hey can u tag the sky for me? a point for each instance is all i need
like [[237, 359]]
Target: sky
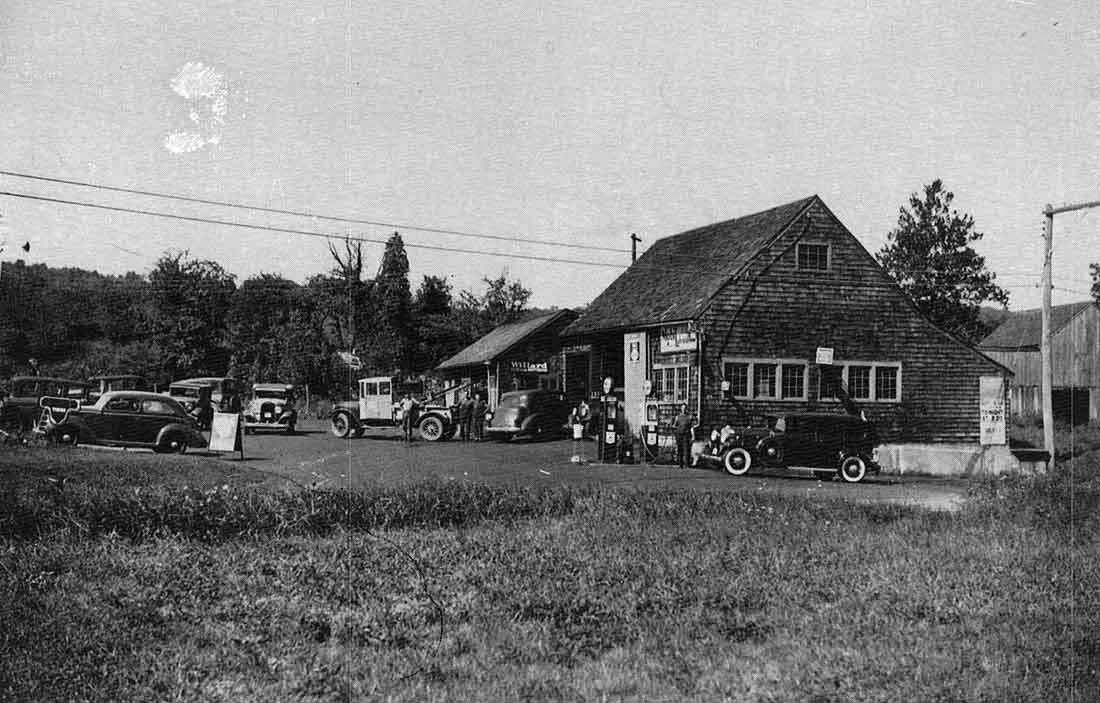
[[532, 122]]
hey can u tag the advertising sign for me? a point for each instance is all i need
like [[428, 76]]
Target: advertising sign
[[530, 366], [992, 408], [225, 432], [677, 338], [825, 356]]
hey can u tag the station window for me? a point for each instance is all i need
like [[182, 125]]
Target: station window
[[763, 381], [869, 381], [794, 381], [766, 379], [737, 373], [859, 382], [886, 383], [670, 383]]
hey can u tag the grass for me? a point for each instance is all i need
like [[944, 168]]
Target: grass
[[505, 593]]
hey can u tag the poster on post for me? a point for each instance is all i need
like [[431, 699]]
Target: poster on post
[[225, 433], [991, 395]]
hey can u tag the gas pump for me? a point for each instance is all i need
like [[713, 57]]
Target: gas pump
[[609, 416]]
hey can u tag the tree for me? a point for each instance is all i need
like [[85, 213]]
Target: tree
[[391, 344], [436, 334], [256, 327], [191, 300], [930, 256], [1095, 270]]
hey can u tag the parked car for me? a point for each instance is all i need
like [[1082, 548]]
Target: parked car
[[529, 412], [126, 419], [829, 444], [221, 388], [116, 382], [20, 410], [271, 408], [378, 405]]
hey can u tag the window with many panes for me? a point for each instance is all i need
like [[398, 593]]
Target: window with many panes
[[886, 383], [763, 380], [737, 373], [670, 383], [859, 382], [813, 257], [793, 381]]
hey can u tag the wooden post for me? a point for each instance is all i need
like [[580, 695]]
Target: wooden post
[[1044, 342]]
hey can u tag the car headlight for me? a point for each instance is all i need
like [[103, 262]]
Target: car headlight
[[278, 408]]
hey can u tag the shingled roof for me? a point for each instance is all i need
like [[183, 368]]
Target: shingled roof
[[676, 278], [500, 340], [1024, 330]]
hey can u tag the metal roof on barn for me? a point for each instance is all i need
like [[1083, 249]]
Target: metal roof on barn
[[675, 278], [1024, 330], [500, 340]]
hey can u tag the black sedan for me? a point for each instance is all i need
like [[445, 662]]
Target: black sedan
[[127, 419]]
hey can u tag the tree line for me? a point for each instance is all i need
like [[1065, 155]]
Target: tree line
[[189, 317]]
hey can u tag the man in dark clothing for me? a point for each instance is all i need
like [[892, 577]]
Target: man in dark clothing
[[477, 421], [465, 408], [682, 427]]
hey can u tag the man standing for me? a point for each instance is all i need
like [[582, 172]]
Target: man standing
[[682, 426], [477, 420], [408, 416], [465, 408]]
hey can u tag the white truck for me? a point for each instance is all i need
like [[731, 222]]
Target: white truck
[[379, 405]]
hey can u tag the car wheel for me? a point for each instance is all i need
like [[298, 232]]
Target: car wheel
[[737, 461], [771, 452], [853, 469], [341, 425], [67, 435], [431, 429], [172, 443]]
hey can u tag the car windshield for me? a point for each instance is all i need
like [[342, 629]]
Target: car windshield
[[184, 391], [277, 395]]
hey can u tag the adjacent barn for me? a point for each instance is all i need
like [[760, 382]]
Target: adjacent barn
[[784, 310], [1075, 360]]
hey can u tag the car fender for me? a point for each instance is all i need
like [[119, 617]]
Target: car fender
[[73, 421], [532, 422], [288, 416], [194, 437], [353, 417]]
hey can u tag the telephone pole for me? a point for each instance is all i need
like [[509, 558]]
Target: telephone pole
[[1044, 347], [634, 239]]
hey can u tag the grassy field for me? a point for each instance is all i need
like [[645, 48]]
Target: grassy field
[[140, 578]]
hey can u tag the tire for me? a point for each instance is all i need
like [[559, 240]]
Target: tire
[[290, 428], [173, 444], [771, 453], [67, 435], [737, 461], [853, 469], [341, 425], [431, 428]]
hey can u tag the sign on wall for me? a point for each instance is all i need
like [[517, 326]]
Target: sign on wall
[[991, 395], [824, 356], [530, 366], [676, 338]]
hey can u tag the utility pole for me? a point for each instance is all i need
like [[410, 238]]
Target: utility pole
[[634, 239], [1044, 347]]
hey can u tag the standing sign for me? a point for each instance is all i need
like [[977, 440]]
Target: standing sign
[[225, 433], [992, 408]]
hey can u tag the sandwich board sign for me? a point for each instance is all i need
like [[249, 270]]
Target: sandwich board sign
[[225, 433], [992, 408]]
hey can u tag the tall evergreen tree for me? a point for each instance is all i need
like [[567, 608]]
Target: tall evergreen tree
[[392, 347], [930, 256]]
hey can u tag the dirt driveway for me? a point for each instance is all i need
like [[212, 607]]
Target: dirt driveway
[[314, 457]]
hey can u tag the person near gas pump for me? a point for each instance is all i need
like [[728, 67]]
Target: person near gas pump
[[465, 410], [683, 427]]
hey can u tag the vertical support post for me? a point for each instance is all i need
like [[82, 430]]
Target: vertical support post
[[634, 239], [1047, 371]]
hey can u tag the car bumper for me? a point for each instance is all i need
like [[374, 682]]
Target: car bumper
[[503, 431]]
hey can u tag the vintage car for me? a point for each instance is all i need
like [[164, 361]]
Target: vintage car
[[378, 405], [828, 444], [124, 419], [530, 412], [221, 388], [271, 408], [20, 410], [115, 382]]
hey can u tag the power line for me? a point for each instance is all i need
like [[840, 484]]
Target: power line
[[313, 215], [367, 240]]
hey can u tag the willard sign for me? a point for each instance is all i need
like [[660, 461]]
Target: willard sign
[[529, 366]]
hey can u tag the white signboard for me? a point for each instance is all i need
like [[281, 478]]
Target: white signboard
[[677, 338], [225, 432], [530, 366], [992, 408], [825, 356]]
